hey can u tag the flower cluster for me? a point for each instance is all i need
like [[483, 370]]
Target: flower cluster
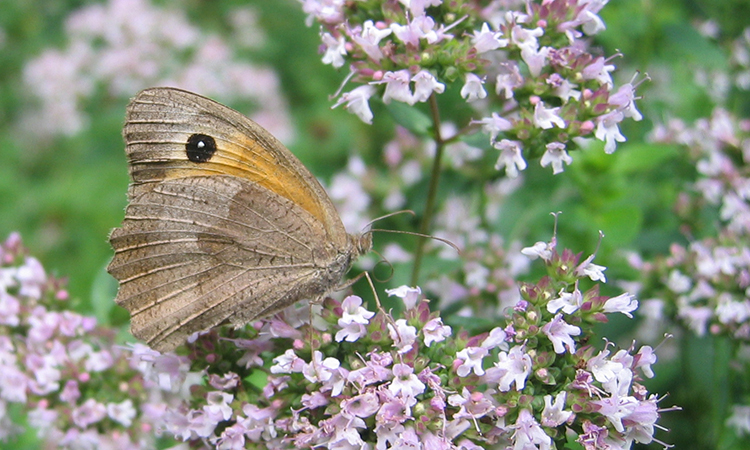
[[76, 388], [356, 378], [719, 82], [109, 53], [705, 285], [546, 87]]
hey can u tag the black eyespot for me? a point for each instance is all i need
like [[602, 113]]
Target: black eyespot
[[200, 148]]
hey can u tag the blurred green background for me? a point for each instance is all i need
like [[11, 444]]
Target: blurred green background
[[65, 193]]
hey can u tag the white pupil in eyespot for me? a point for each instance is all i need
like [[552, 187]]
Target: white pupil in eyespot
[[201, 144]]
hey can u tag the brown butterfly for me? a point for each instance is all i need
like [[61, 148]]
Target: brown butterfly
[[224, 223]]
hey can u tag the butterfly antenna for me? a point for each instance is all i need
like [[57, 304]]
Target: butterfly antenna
[[395, 213], [384, 261], [444, 241]]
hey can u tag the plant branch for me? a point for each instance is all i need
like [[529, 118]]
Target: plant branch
[[424, 227]]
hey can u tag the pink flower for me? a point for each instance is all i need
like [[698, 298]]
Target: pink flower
[[217, 405], [9, 308], [31, 277], [99, 361], [350, 332], [320, 370], [496, 338], [354, 312], [644, 359], [473, 404], [624, 99], [289, 362], [539, 250], [363, 405], [598, 70], [417, 7], [508, 79], [232, 438], [421, 27]]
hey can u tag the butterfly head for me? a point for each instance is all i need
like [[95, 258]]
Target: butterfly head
[[362, 243]]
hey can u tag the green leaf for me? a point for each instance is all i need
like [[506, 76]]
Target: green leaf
[[410, 118], [643, 157]]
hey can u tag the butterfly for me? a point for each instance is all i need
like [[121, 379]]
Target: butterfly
[[224, 224]]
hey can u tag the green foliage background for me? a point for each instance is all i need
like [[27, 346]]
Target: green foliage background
[[65, 195]]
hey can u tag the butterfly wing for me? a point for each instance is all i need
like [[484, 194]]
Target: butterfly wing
[[237, 232], [160, 123], [194, 252]]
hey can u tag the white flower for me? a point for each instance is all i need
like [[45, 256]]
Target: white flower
[[535, 58], [623, 303], [486, 39], [559, 333], [403, 335], [370, 38], [353, 312], [410, 295], [335, 50], [425, 84], [569, 302], [540, 249], [405, 383], [357, 102], [472, 89], [510, 157], [435, 331], [555, 155], [516, 367], [494, 125], [591, 270], [528, 434], [472, 361], [553, 414], [545, 118], [397, 87]]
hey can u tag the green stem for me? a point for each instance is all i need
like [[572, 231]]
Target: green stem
[[424, 227]]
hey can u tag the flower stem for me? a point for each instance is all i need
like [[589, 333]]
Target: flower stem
[[424, 227]]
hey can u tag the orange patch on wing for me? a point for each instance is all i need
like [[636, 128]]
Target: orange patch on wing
[[246, 158]]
